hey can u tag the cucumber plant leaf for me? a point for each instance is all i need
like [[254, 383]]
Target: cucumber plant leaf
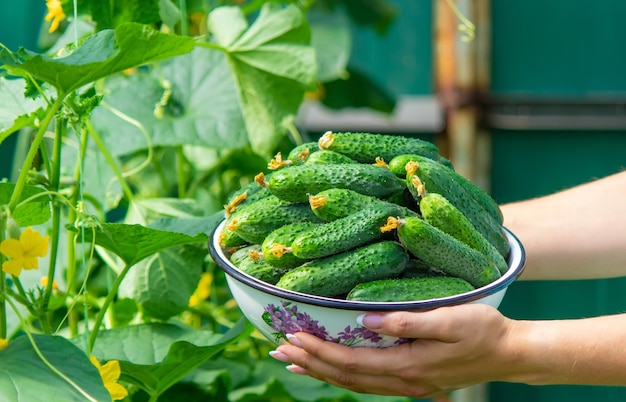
[[163, 283], [25, 377], [105, 53], [133, 243], [16, 110], [202, 108], [32, 213], [272, 64], [156, 356]]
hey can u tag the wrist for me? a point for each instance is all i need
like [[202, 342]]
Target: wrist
[[528, 353]]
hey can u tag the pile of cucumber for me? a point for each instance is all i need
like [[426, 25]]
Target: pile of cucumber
[[368, 217]]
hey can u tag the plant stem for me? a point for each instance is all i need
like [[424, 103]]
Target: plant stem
[[3, 293], [32, 152], [109, 299], [180, 172], [184, 25], [55, 179], [110, 160], [75, 197]]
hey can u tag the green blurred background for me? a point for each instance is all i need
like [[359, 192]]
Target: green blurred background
[[558, 76]]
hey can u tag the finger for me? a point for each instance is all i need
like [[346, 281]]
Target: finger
[[446, 324], [370, 382], [343, 358]]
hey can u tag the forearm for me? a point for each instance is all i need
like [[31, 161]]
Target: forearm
[[574, 234], [585, 351]]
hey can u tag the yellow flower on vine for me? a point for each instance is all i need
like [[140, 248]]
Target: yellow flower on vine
[[203, 290], [110, 373], [55, 14], [4, 342], [23, 253]]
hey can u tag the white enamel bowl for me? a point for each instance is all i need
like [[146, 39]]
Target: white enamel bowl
[[276, 312]]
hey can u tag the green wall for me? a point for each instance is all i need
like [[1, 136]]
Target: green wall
[[557, 48], [19, 24]]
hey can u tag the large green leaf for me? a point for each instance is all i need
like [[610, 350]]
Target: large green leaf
[[16, 110], [202, 110], [331, 38], [156, 356], [34, 212], [25, 377], [111, 13], [163, 283], [102, 54], [133, 243], [272, 64], [269, 382]]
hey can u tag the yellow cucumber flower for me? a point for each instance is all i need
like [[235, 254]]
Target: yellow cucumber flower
[[110, 373], [23, 253], [55, 14], [4, 342], [203, 290]]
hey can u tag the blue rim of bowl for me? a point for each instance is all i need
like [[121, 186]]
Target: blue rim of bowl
[[217, 253]]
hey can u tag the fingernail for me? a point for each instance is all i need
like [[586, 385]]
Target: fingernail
[[294, 340], [296, 369], [280, 356], [370, 321]]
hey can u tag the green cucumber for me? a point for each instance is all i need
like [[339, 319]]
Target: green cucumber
[[249, 260], [329, 157], [294, 183], [336, 203], [242, 254], [397, 165], [228, 238], [345, 233], [301, 153], [425, 177], [366, 147], [447, 178], [444, 252], [254, 222], [409, 289], [247, 194], [440, 212], [336, 275], [277, 245]]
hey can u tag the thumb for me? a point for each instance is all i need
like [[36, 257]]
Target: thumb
[[447, 324]]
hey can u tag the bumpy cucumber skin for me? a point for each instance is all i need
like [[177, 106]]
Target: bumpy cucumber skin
[[326, 156], [438, 180], [295, 155], [258, 269], [440, 212], [255, 192], [243, 254], [341, 202], [336, 275], [398, 163], [344, 233], [366, 147], [448, 177], [256, 221], [409, 289], [294, 183], [285, 235], [446, 253], [228, 238]]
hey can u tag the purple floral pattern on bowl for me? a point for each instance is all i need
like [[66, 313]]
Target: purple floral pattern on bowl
[[287, 319]]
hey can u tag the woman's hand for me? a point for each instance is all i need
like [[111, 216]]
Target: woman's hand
[[455, 347]]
